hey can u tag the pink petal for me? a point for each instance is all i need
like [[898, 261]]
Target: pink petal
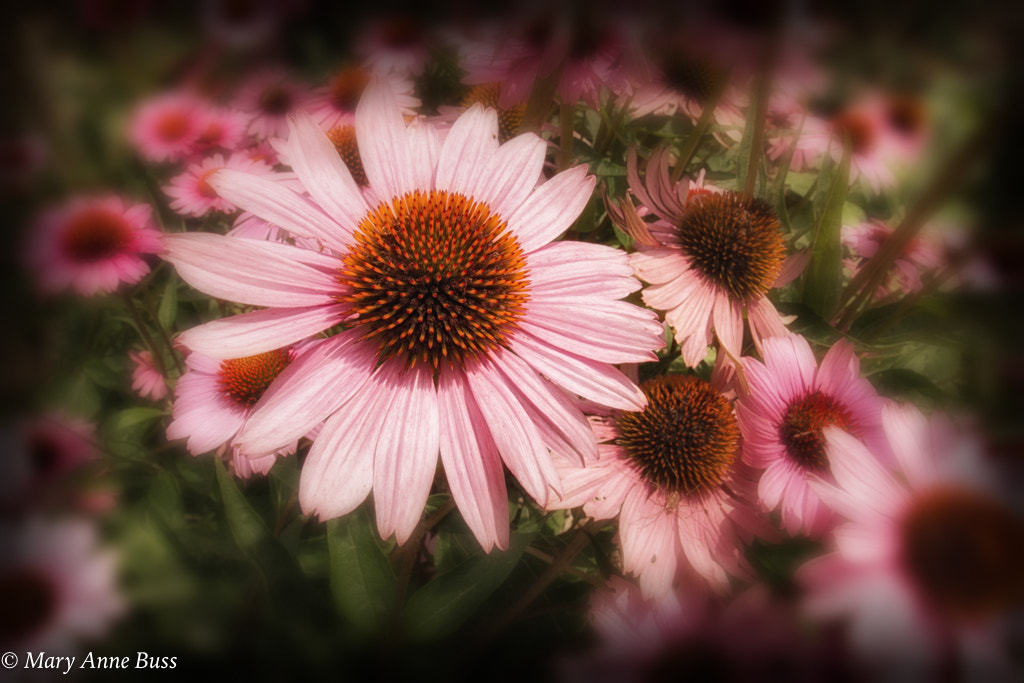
[[390, 155], [791, 363], [659, 265], [249, 334], [274, 203], [648, 541], [839, 368], [907, 430], [511, 174], [579, 268], [552, 208], [764, 321], [593, 380], [405, 458], [253, 272], [774, 481], [466, 151], [472, 464], [311, 388], [728, 321], [611, 331], [866, 487]]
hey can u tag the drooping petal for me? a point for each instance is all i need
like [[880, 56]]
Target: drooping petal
[[257, 332]]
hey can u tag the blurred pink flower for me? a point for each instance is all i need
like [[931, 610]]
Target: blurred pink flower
[[39, 453], [219, 128], [479, 373], [91, 244], [930, 560], [167, 127], [334, 105], [191, 193], [864, 241], [57, 585], [673, 477], [791, 401], [710, 257], [147, 381], [268, 97]]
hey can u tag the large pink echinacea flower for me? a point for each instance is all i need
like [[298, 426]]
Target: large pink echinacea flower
[[457, 325]]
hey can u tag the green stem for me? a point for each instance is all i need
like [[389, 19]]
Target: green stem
[[693, 140], [567, 114], [133, 311]]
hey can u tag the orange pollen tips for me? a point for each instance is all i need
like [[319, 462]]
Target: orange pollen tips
[[94, 235], [435, 277], [245, 380], [964, 551], [734, 241], [344, 139], [800, 430], [509, 119], [685, 441]]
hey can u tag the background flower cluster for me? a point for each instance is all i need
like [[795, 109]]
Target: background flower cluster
[[727, 383]]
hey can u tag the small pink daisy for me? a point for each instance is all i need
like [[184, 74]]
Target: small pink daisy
[[673, 477], [167, 127], [791, 401], [268, 97], [710, 257], [465, 323], [91, 245], [57, 585], [214, 398], [930, 560], [146, 379], [191, 193], [219, 128], [921, 255]]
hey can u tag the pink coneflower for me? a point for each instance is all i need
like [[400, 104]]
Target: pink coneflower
[[465, 325], [864, 241], [710, 257], [398, 44], [147, 381], [39, 453], [214, 398], [219, 128], [673, 476], [91, 245], [929, 561], [268, 97], [334, 105], [167, 127], [191, 193], [791, 401], [57, 586]]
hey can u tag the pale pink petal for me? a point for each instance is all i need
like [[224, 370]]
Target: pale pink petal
[[325, 175], [728, 321], [791, 364], [600, 487], [908, 434], [517, 438], [772, 486], [552, 208], [866, 485], [472, 463], [467, 149], [253, 272], [405, 458], [249, 334], [658, 266], [764, 321], [385, 144], [312, 387], [839, 368], [580, 268], [672, 294], [275, 203], [792, 267], [610, 331], [592, 380], [648, 538], [511, 174]]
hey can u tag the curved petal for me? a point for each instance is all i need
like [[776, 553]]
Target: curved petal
[[257, 332], [469, 145], [551, 208], [511, 174], [253, 272]]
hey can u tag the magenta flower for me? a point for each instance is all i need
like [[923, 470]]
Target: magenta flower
[[673, 476], [463, 324], [791, 401], [147, 381], [192, 195], [930, 560], [167, 127], [91, 245]]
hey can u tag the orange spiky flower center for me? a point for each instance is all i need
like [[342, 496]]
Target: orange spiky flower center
[[734, 241], [685, 440], [509, 119], [964, 550], [801, 428], [95, 234], [435, 277], [344, 139], [245, 380]]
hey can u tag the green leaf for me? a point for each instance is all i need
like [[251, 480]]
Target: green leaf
[[362, 581], [445, 603], [131, 418], [168, 309], [823, 278]]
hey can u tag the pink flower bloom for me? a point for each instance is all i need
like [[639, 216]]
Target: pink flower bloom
[[673, 476], [334, 105], [57, 586], [791, 401], [864, 241], [167, 127], [711, 256], [929, 561], [214, 398], [146, 379], [92, 245], [397, 43], [191, 193], [39, 453], [465, 324], [268, 97], [219, 128]]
